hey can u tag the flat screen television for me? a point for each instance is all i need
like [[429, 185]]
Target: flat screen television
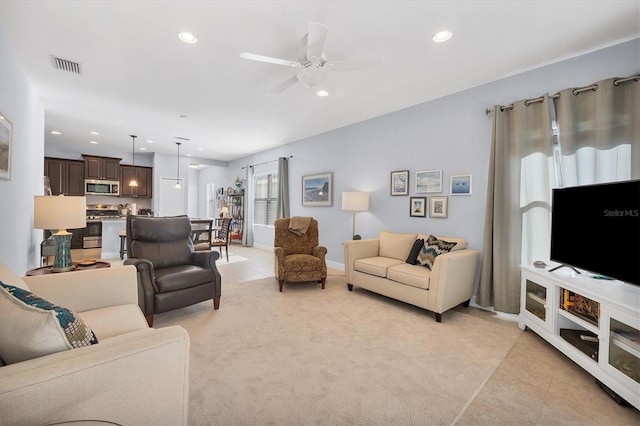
[[597, 228]]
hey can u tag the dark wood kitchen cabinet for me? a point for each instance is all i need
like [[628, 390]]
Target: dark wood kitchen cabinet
[[144, 177], [65, 176], [104, 168], [76, 237]]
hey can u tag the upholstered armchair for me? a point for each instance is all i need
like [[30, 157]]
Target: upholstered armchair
[[298, 257], [171, 274]]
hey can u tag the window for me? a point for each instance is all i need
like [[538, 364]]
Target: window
[[266, 199]]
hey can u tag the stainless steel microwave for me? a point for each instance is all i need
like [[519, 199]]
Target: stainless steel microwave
[[101, 187]]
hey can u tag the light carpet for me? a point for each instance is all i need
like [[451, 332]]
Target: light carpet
[[309, 356]]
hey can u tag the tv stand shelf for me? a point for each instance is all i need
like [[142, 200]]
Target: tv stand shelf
[[596, 323]]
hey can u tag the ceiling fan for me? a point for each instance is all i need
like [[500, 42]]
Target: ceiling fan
[[312, 69]]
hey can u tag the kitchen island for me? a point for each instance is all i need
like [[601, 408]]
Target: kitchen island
[[110, 237]]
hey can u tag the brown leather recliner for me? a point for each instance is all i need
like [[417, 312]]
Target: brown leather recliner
[[170, 274]]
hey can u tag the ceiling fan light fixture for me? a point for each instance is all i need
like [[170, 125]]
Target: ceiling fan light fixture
[[187, 37], [442, 36]]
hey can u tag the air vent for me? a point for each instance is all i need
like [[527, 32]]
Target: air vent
[[182, 139], [67, 65]]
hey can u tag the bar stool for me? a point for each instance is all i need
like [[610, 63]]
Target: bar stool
[[123, 238]]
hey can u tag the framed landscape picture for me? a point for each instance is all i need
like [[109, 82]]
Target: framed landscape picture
[[317, 190], [418, 207], [429, 181], [400, 182], [5, 147], [438, 207], [461, 185]]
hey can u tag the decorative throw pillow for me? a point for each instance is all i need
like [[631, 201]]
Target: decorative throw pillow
[[32, 327], [415, 250], [432, 248]]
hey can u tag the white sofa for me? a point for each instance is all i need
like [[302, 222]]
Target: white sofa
[[134, 375], [379, 265]]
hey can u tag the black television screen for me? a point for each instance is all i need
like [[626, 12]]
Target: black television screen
[[597, 228]]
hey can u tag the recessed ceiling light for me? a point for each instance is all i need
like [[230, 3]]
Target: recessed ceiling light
[[143, 148], [93, 142], [193, 165], [322, 93], [94, 133], [200, 149], [188, 155], [187, 37], [442, 36], [55, 132], [150, 142]]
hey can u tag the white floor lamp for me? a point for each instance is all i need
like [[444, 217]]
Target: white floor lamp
[[355, 201]]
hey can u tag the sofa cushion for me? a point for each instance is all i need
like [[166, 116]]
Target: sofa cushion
[[376, 265], [433, 248], [413, 275], [461, 243], [412, 259], [114, 320], [32, 327], [7, 276], [395, 245]]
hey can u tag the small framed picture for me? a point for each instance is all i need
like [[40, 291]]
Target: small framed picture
[[461, 185], [418, 207], [438, 206], [317, 190], [6, 140], [429, 181], [400, 182]]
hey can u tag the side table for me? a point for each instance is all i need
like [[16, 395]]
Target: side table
[[47, 269]]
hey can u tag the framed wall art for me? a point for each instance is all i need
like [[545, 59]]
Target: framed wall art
[[5, 147], [438, 206], [400, 182], [429, 181], [317, 190], [418, 207], [461, 185]]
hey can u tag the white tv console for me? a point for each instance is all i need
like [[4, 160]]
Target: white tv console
[[594, 322]]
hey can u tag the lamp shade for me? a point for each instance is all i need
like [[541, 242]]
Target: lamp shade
[[59, 212], [355, 201]]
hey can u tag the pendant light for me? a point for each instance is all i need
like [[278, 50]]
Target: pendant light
[[133, 182], [178, 186]]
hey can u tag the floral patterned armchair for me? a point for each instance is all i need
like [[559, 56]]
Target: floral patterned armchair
[[298, 257]]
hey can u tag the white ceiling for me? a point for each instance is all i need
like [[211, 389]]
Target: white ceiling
[[138, 78]]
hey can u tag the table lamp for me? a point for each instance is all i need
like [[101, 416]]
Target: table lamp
[[224, 211], [61, 213], [355, 201]]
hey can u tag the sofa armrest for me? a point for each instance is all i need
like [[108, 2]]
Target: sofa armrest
[[453, 278], [138, 378], [358, 249], [88, 290]]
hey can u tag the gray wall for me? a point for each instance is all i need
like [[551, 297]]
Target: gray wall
[[19, 241], [452, 133]]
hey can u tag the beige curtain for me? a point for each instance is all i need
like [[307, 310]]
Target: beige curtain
[[599, 132], [518, 192]]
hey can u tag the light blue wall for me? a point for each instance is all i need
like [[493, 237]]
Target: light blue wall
[[19, 241], [452, 133]]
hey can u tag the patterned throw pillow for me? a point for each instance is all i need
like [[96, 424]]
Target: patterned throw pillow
[[413, 254], [32, 327], [433, 247]]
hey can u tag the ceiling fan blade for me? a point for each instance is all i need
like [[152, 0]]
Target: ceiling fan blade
[[285, 84], [269, 59], [316, 37]]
